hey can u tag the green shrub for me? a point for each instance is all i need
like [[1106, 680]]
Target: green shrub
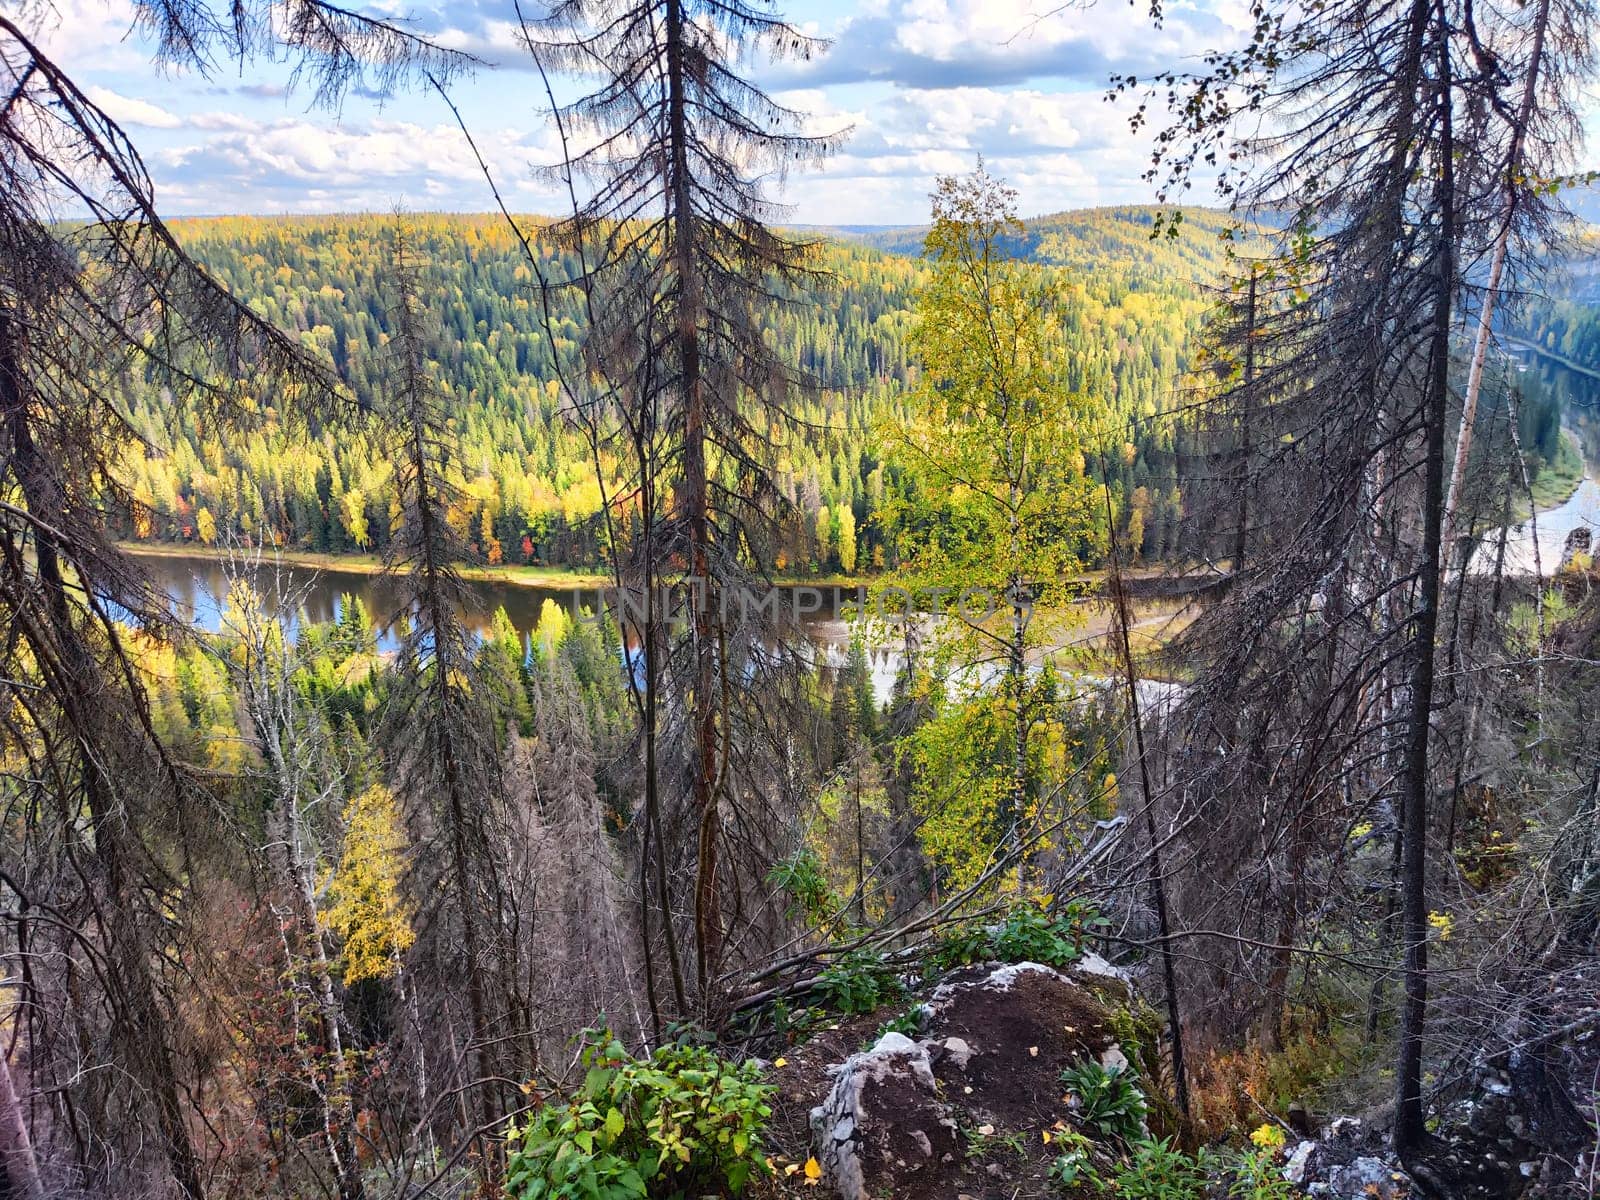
[[1030, 936], [1073, 1167], [681, 1123], [859, 983], [1160, 1171], [1109, 1101], [1256, 1177], [800, 875], [1026, 935]]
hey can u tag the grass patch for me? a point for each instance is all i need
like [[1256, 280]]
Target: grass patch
[[1558, 479], [369, 564]]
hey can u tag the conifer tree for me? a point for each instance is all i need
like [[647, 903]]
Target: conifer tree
[[680, 258]]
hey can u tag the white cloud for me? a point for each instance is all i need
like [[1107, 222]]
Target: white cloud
[[222, 120], [1061, 150], [927, 85], [80, 34], [953, 43], [129, 110], [300, 165]]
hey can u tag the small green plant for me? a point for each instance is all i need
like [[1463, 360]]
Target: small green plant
[[985, 1142], [859, 982], [962, 946], [908, 1023], [794, 1024], [1160, 1171], [1027, 934], [1109, 1101], [681, 1123], [800, 875], [1256, 1175], [1074, 1165]]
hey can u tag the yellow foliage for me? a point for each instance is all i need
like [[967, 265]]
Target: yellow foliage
[[1268, 1137], [366, 909]]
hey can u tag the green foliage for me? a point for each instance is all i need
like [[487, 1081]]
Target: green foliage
[[908, 1023], [794, 1024], [1109, 1101], [365, 905], [677, 1125], [1029, 935], [1160, 1171], [1526, 621], [801, 877], [963, 758], [1125, 305], [995, 428], [859, 982], [1026, 935], [1256, 1177], [1073, 1167]]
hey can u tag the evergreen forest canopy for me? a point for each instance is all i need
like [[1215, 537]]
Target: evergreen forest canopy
[[379, 907], [1129, 308]]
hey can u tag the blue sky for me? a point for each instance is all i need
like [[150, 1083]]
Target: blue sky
[[926, 85]]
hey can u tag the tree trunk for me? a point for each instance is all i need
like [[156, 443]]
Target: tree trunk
[[1241, 533], [1491, 294], [1158, 884], [694, 505], [481, 1042], [21, 1167], [1409, 1128], [338, 1110]]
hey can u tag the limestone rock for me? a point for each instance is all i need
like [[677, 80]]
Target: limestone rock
[[883, 1119]]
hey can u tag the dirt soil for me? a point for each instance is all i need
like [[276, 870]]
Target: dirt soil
[[1004, 1099]]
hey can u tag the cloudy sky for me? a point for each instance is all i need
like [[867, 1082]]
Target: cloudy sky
[[924, 85]]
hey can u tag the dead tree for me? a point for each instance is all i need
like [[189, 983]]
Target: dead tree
[[680, 261]]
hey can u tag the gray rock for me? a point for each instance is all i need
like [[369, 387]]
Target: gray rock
[[883, 1109], [960, 1053], [1367, 1176], [1114, 1059], [1299, 1160]]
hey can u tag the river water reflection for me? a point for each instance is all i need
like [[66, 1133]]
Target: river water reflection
[[199, 586], [1580, 398]]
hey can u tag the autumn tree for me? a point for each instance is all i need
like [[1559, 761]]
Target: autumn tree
[[994, 433]]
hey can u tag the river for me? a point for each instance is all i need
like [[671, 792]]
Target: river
[[198, 585], [1579, 392]]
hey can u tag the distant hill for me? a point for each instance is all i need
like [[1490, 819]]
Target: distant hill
[[1090, 238], [1563, 315]]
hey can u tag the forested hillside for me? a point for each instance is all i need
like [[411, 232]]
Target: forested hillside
[[1564, 316], [1200, 801], [528, 487]]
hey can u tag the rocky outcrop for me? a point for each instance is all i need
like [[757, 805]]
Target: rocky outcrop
[[1349, 1162], [1580, 542], [912, 1117], [884, 1119]]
